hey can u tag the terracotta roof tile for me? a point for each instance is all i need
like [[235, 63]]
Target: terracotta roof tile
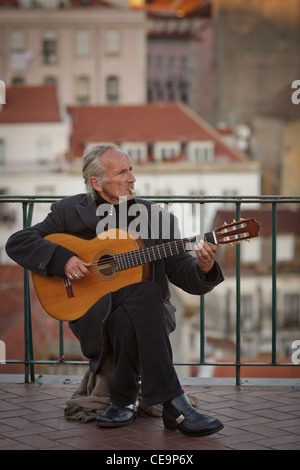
[[143, 123], [29, 104], [9, 3]]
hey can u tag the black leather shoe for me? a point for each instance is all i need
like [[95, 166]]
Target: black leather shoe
[[179, 415], [116, 416]]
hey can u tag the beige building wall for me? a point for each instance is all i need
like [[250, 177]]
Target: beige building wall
[[127, 61], [276, 144]]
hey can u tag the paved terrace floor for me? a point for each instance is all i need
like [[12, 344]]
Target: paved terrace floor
[[255, 417]]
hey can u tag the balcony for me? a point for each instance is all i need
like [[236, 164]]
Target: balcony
[[258, 412]]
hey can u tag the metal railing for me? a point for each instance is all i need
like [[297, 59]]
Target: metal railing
[[28, 202]]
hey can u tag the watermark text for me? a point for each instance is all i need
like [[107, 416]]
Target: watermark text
[[296, 93], [296, 353], [2, 352], [2, 92]]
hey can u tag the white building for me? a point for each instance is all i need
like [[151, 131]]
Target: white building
[[34, 141]]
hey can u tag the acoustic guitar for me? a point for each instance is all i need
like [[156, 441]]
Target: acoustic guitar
[[118, 260]]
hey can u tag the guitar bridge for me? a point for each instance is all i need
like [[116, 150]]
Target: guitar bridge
[[68, 286]]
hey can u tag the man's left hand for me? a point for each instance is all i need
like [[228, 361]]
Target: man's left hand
[[206, 253]]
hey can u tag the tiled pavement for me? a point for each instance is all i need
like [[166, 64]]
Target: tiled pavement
[[254, 417]]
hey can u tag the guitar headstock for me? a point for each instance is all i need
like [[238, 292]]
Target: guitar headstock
[[237, 231]]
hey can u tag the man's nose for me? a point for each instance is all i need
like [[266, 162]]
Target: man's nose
[[132, 177]]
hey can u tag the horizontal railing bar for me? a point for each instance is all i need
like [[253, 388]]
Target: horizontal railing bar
[[58, 362], [168, 199], [247, 364]]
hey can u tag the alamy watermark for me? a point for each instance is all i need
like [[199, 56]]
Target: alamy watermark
[[2, 92], [155, 223], [2, 352], [296, 94], [296, 354]]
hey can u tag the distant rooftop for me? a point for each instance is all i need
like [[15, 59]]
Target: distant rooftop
[[147, 123], [31, 104]]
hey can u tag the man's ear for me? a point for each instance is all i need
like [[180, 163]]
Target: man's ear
[[94, 182]]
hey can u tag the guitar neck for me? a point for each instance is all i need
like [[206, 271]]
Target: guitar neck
[[156, 252]]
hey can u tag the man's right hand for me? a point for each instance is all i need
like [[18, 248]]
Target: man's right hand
[[75, 268]]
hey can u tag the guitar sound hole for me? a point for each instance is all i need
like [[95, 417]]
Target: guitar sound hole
[[104, 265]]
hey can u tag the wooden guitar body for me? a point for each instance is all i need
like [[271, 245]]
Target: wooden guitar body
[[68, 300]]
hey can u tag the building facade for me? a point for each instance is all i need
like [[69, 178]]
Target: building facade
[[95, 55]]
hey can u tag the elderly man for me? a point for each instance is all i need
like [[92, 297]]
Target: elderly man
[[134, 322]]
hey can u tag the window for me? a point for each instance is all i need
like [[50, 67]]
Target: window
[[16, 81], [202, 154], [201, 151], [251, 252], [171, 69], [43, 149], [247, 312], [159, 71], [136, 150], [49, 47], [164, 151], [112, 89], [17, 41], [112, 42], [285, 247], [7, 213], [50, 79], [82, 43], [2, 152], [291, 309], [83, 90]]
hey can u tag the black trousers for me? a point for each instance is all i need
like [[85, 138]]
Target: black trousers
[[141, 347]]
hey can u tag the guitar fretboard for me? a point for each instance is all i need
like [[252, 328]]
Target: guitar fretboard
[[155, 252]]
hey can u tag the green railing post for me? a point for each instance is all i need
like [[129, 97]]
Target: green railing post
[[238, 304], [274, 281], [28, 339], [202, 308], [61, 342]]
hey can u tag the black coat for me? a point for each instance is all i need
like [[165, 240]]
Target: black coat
[[77, 215]]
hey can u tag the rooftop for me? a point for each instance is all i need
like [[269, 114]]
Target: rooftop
[[255, 417], [23, 105], [143, 123]]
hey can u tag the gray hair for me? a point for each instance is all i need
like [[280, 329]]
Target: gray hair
[[92, 166]]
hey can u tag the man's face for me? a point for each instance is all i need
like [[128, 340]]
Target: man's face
[[119, 179]]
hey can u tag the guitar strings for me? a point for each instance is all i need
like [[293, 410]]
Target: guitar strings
[[156, 250]]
